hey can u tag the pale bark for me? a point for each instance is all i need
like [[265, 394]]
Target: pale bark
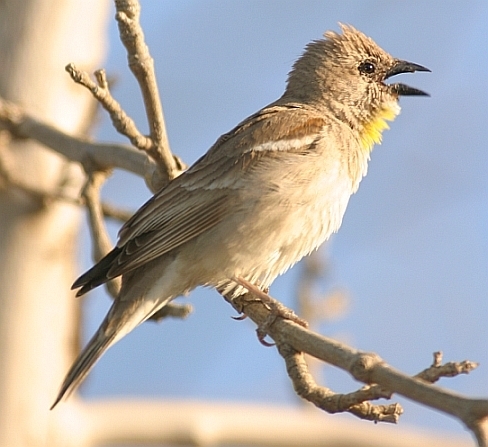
[[194, 423], [38, 318]]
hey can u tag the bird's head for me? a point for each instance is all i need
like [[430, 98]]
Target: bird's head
[[347, 74]]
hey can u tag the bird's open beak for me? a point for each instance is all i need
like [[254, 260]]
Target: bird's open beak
[[405, 67]]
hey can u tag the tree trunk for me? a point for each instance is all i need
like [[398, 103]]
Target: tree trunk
[[38, 317]]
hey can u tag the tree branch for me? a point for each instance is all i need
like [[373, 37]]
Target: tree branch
[[369, 368], [103, 155], [325, 399], [142, 66], [101, 243], [120, 120], [113, 212], [452, 369], [196, 423]]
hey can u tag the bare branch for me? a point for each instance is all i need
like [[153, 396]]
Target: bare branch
[[356, 402], [120, 120], [101, 243], [45, 197], [172, 310], [104, 156], [91, 193], [112, 421], [42, 197], [325, 399], [312, 305], [276, 309], [452, 369], [142, 65], [369, 368], [112, 212]]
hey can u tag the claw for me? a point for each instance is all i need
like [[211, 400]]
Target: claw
[[261, 337], [240, 317], [275, 308]]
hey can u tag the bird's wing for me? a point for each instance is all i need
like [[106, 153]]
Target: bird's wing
[[205, 194]]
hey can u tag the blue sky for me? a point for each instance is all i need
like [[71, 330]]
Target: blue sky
[[413, 248]]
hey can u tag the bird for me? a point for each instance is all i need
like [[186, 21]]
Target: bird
[[267, 193]]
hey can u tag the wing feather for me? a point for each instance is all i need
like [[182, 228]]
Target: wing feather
[[169, 235], [206, 193]]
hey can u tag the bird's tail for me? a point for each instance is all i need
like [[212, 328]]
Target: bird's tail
[[124, 316], [99, 343]]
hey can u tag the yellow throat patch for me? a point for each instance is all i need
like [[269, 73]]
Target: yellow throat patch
[[372, 130]]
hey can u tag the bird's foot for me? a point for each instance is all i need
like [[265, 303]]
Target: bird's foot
[[276, 309]]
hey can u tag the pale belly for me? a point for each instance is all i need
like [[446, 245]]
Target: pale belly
[[284, 224]]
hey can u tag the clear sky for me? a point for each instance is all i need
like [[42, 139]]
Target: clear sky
[[413, 248]]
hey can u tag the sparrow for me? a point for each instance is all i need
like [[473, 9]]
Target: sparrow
[[267, 193]]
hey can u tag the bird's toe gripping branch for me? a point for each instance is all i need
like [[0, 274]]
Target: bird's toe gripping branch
[[276, 309]]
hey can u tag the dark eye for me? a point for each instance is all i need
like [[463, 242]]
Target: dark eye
[[367, 67]]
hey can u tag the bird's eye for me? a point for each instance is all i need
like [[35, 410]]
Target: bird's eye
[[367, 67]]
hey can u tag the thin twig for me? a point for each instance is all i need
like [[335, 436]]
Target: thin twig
[[113, 212], [355, 403], [173, 310], [120, 120], [101, 243], [313, 303], [451, 369], [142, 66]]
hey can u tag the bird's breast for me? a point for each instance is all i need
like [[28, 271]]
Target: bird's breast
[[289, 217]]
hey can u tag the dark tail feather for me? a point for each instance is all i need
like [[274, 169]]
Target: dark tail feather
[[97, 275], [84, 363]]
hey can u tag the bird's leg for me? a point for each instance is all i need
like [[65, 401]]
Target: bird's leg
[[276, 309]]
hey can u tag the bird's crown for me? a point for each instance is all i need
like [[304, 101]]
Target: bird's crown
[[344, 75]]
